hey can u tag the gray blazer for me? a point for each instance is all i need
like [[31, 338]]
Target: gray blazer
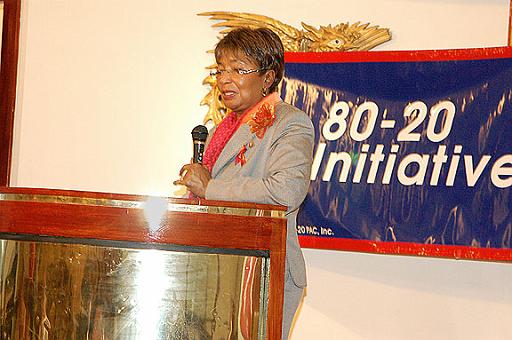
[[277, 172]]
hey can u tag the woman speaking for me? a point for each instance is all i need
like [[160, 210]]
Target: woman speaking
[[262, 150]]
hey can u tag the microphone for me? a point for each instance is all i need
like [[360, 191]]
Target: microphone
[[199, 135]]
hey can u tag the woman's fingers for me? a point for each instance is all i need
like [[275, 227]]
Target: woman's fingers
[[184, 169], [195, 177]]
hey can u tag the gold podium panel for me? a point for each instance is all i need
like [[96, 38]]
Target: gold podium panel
[[73, 291]]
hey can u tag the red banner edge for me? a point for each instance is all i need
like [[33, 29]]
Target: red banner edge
[[399, 56], [407, 248]]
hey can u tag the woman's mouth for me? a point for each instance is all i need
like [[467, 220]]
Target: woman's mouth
[[226, 95]]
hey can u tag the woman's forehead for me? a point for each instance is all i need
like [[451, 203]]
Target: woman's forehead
[[231, 56]]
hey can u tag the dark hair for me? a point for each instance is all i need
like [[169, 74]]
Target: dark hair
[[261, 45]]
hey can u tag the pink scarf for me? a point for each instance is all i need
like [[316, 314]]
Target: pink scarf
[[220, 138]]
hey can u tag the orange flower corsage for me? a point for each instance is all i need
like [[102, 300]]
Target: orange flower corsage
[[262, 119], [240, 158]]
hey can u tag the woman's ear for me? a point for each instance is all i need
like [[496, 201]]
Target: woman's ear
[[270, 76]]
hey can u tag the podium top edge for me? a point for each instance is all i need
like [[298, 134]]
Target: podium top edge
[[97, 199]]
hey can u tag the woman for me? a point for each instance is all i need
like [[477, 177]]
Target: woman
[[262, 151]]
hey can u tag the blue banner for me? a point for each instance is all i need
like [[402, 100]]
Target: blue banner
[[410, 148]]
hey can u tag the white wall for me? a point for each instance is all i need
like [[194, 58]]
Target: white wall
[[108, 92]]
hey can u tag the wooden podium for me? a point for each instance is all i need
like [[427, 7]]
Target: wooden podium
[[83, 265]]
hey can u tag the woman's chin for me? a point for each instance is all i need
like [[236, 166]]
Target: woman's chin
[[231, 105]]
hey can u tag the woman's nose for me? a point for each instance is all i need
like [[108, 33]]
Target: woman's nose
[[224, 79]]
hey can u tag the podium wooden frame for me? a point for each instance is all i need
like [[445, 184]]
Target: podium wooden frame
[[84, 217], [8, 73]]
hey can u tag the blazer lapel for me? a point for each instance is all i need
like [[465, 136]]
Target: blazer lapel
[[240, 138]]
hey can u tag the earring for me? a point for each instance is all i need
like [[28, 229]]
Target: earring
[[264, 91]]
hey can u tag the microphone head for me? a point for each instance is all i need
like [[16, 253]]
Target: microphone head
[[200, 133]]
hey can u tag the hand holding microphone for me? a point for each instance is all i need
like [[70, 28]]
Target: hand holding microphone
[[195, 176]]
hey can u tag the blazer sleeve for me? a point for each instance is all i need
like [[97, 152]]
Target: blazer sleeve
[[287, 170]]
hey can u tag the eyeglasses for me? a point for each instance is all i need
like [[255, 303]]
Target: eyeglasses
[[237, 71]]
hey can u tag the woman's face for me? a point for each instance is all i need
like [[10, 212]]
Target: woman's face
[[240, 91]]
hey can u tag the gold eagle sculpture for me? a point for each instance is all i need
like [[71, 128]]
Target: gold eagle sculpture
[[341, 37]]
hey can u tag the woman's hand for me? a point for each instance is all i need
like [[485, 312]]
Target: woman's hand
[[195, 177]]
